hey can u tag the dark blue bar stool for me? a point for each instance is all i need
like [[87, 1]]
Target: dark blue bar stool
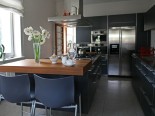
[[1, 96], [56, 92], [16, 89]]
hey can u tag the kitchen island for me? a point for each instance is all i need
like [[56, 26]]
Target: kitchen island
[[85, 71], [46, 67]]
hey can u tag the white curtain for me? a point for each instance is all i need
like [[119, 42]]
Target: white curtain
[[12, 5]]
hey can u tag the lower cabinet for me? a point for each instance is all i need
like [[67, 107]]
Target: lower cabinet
[[104, 64], [89, 83], [144, 85]]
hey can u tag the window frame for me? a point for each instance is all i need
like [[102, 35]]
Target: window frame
[[12, 54]]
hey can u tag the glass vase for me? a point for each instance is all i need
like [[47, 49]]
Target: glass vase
[[36, 49]]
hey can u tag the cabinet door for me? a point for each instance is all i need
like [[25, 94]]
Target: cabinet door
[[122, 20], [143, 40], [149, 19], [83, 34], [98, 22]]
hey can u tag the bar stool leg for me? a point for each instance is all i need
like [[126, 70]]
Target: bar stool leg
[[75, 110], [21, 109], [50, 112], [33, 108], [80, 105]]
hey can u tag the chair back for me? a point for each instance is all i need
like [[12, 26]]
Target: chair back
[[54, 92], [15, 89]]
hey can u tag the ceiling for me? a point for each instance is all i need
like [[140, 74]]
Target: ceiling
[[113, 7], [100, 1], [104, 1]]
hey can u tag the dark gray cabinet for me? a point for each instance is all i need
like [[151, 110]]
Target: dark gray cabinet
[[122, 20], [149, 20], [89, 83], [83, 34], [144, 85], [98, 22], [143, 38]]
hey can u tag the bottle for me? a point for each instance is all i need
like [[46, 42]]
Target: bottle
[[74, 10], [72, 52]]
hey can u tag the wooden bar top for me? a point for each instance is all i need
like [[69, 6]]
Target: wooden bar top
[[46, 67]]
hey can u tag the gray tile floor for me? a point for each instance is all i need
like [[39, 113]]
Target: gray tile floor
[[114, 97]]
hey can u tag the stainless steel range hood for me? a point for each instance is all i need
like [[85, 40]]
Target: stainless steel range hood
[[71, 20]]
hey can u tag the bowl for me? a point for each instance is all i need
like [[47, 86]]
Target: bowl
[[69, 62], [53, 59]]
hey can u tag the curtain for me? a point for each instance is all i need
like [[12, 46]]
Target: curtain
[[13, 5]]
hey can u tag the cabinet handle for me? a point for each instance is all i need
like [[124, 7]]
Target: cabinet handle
[[142, 72], [147, 78]]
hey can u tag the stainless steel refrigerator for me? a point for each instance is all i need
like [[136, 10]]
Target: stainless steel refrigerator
[[121, 45]]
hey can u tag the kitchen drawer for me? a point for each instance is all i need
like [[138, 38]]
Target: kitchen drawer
[[146, 105], [153, 111], [148, 88], [153, 95], [143, 68]]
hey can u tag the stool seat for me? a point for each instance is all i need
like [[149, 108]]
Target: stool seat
[[56, 92], [16, 89]]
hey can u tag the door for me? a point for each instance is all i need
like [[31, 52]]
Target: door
[[114, 46], [127, 47], [121, 45]]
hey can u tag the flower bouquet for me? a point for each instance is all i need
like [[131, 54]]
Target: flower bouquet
[[38, 39]]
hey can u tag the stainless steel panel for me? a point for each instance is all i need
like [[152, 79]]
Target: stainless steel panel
[[127, 46], [113, 67], [114, 38], [119, 64]]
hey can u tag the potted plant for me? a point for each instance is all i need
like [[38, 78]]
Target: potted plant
[[2, 48]]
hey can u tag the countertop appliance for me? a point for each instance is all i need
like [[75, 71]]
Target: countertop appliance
[[121, 45]]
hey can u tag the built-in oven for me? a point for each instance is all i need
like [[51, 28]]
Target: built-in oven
[[98, 36]]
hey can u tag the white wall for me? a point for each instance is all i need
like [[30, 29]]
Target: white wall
[[36, 13], [65, 5], [119, 7]]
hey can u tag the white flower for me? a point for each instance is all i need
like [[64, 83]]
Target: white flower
[[44, 33], [36, 36], [30, 38], [42, 28], [28, 30], [36, 33], [42, 41], [48, 35]]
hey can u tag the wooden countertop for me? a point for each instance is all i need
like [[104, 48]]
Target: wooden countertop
[[46, 67]]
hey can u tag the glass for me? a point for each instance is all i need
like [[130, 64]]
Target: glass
[[36, 48]]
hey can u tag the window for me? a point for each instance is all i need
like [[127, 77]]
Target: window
[[10, 32], [63, 36], [71, 34]]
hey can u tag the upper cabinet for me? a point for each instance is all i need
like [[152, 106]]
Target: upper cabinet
[[122, 20], [98, 22], [149, 19], [83, 34]]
